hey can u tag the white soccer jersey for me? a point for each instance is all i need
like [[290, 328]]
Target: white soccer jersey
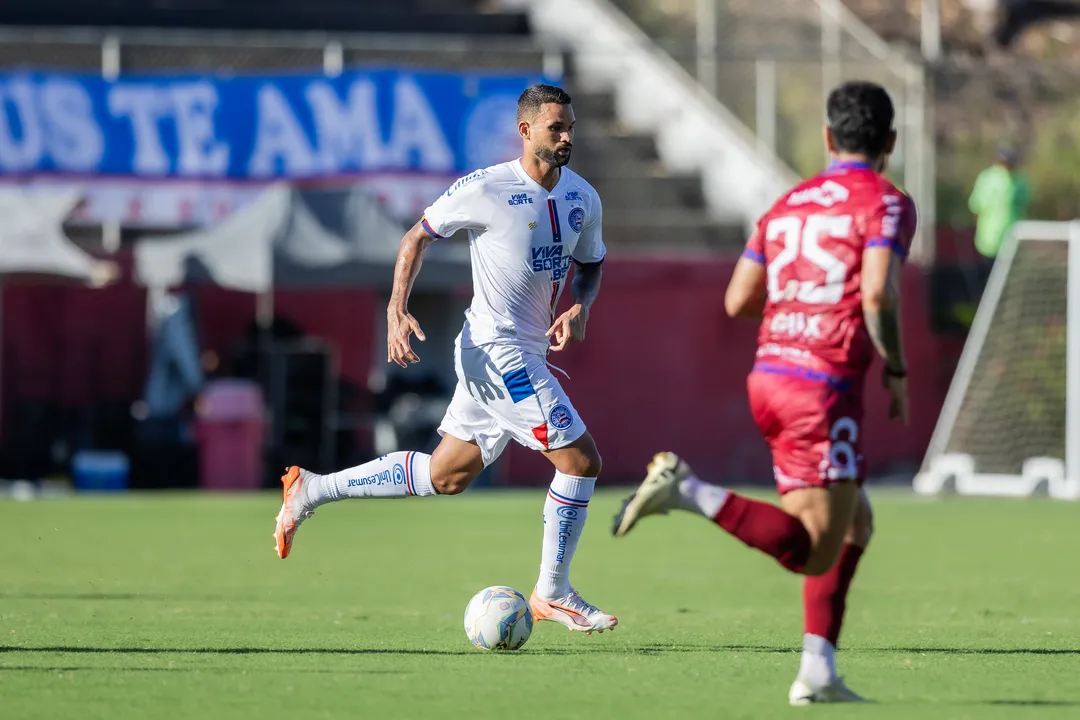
[[522, 240]]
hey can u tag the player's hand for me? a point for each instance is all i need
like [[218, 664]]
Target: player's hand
[[898, 397], [569, 327], [399, 326]]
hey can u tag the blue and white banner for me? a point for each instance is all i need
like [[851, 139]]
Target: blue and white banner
[[256, 127]]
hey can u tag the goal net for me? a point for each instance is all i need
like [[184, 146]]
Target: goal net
[[1010, 424]]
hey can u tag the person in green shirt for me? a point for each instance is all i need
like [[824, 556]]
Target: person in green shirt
[[999, 199]]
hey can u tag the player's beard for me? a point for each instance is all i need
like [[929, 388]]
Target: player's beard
[[552, 157]]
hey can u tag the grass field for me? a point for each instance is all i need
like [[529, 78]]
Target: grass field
[[176, 606]]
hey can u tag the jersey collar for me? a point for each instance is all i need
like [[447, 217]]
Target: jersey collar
[[838, 165], [524, 176]]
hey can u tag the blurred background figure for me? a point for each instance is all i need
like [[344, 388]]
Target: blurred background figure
[[164, 417], [999, 199]]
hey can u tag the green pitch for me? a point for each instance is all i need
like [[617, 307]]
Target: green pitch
[[176, 606]]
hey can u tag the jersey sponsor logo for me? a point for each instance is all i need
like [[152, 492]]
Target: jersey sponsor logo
[[519, 199], [462, 182], [394, 476], [572, 195], [560, 417], [532, 225], [826, 194], [842, 462], [565, 511], [576, 219], [551, 258], [890, 224], [783, 351], [796, 324]]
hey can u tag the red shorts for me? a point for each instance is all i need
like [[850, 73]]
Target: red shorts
[[812, 423]]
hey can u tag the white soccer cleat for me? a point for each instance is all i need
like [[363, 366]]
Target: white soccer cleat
[[292, 511], [658, 492], [835, 691], [573, 612]]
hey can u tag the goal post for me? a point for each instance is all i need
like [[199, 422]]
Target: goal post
[[1010, 424]]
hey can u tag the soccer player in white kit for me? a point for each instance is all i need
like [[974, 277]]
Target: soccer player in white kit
[[528, 221]]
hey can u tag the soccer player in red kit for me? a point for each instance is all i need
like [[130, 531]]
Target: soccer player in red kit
[[822, 273]]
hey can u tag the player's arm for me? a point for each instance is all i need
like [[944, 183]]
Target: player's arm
[[889, 233], [584, 289], [746, 292], [461, 207], [585, 285], [399, 323], [745, 296], [881, 304]]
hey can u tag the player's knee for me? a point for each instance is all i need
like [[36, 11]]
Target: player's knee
[[451, 483], [822, 558], [825, 550], [579, 459], [590, 465], [586, 463]]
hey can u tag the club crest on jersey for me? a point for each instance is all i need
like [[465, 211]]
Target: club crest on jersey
[[560, 417], [519, 199], [826, 194], [577, 219]]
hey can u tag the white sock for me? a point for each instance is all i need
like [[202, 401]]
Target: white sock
[[565, 510], [398, 474], [701, 497], [818, 665]]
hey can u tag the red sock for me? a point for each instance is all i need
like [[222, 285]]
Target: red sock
[[825, 596], [766, 528]]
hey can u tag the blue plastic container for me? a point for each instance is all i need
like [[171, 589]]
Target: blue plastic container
[[100, 471]]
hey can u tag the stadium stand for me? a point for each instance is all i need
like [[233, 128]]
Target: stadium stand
[[648, 206]]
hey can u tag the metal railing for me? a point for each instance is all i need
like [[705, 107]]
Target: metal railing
[[772, 62]]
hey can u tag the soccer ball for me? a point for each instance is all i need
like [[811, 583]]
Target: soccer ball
[[498, 618]]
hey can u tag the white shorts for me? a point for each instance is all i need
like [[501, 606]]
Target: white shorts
[[504, 393]]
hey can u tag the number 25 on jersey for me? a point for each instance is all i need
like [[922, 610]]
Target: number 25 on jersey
[[801, 241]]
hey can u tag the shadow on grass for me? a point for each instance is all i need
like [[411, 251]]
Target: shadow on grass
[[591, 649], [82, 596], [217, 670], [1032, 703]]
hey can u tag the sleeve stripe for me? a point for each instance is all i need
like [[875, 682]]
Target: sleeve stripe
[[754, 255], [427, 226], [886, 242], [594, 262]]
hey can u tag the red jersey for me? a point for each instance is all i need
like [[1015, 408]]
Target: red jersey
[[811, 243]]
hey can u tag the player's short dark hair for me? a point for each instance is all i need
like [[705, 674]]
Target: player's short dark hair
[[860, 116], [538, 95]]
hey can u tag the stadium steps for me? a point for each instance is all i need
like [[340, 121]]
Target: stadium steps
[[646, 207]]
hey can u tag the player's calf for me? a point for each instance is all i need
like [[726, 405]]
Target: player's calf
[[827, 514], [862, 528], [824, 605]]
